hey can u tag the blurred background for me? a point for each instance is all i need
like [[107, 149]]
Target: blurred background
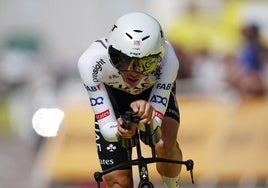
[[222, 88]]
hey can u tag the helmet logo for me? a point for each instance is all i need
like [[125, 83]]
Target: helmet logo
[[135, 53], [115, 26], [136, 43]]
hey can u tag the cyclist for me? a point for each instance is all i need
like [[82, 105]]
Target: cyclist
[[134, 68]]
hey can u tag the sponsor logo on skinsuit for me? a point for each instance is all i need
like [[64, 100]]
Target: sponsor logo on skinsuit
[[111, 148], [96, 101], [163, 86], [103, 114], [159, 114], [159, 99], [96, 69], [106, 161], [92, 88]]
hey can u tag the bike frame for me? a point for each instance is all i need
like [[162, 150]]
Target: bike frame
[[142, 162]]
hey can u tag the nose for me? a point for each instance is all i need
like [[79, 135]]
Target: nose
[[133, 73]]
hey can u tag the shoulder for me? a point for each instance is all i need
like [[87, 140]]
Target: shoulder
[[97, 49], [170, 62], [170, 55], [93, 59]]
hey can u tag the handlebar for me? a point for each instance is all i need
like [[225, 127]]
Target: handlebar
[[130, 117], [150, 136]]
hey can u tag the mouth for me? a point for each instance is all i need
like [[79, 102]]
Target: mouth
[[132, 81]]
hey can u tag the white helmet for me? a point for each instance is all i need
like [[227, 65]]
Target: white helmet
[[137, 38]]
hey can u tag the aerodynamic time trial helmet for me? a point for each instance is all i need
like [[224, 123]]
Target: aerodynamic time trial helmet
[[136, 40]]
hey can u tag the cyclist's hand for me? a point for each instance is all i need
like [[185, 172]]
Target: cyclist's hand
[[126, 132], [144, 110]]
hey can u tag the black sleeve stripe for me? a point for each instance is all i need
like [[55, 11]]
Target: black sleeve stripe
[[102, 43]]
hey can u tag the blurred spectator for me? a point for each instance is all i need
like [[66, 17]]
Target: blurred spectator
[[246, 71], [189, 36], [186, 59]]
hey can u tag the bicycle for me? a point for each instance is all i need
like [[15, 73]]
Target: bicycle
[[148, 137]]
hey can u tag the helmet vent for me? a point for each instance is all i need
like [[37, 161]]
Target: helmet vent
[[129, 35], [161, 33], [144, 38], [138, 31]]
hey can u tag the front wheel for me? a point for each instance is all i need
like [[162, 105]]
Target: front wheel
[[145, 184]]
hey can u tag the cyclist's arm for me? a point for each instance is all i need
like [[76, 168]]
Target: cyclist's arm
[[91, 71], [161, 91]]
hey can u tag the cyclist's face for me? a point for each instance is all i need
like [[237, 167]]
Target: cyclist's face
[[132, 78]]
